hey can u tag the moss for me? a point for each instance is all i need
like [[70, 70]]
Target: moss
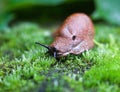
[[26, 67]]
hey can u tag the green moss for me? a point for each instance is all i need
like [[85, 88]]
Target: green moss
[[26, 67]]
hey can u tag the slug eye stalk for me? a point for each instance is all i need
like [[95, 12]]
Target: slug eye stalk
[[48, 47], [51, 50]]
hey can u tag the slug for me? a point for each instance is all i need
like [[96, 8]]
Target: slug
[[74, 36]]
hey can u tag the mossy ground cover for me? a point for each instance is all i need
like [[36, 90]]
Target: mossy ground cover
[[25, 67]]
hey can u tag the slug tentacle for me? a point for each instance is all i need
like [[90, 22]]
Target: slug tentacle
[[51, 50], [48, 47]]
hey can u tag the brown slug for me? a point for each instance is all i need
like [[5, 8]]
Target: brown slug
[[74, 36]]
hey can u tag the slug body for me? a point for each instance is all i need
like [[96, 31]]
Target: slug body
[[74, 36]]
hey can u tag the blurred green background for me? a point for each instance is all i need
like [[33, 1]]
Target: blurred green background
[[47, 12], [25, 67]]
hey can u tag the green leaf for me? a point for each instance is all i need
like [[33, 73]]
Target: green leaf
[[14, 4], [4, 20], [108, 10], [8, 6]]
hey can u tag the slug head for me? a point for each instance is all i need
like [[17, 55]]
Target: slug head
[[51, 50], [74, 36]]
